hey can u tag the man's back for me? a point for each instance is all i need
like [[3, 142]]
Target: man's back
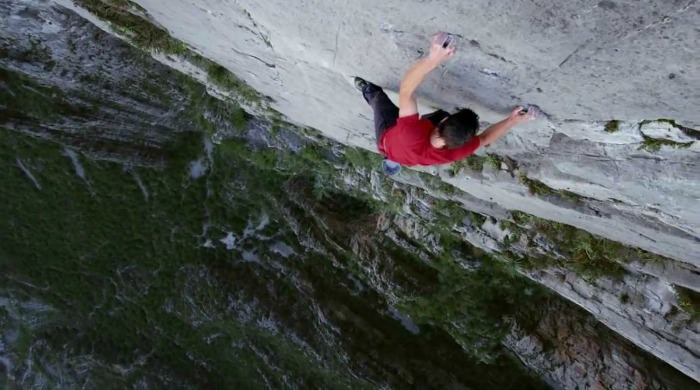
[[408, 142]]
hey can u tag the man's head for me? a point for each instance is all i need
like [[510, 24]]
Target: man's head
[[455, 130]]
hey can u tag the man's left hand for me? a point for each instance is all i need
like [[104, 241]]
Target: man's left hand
[[518, 116], [439, 52]]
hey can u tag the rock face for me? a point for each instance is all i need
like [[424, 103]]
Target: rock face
[[349, 277], [584, 64], [572, 352], [109, 98], [135, 253]]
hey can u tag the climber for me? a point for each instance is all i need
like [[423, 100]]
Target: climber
[[436, 138]]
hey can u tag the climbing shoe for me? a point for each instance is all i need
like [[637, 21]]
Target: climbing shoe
[[361, 84]]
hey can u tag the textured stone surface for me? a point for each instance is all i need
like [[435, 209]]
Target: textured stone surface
[[640, 198], [583, 63], [284, 287], [642, 307], [572, 353], [644, 316]]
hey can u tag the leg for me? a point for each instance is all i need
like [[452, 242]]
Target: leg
[[385, 112]]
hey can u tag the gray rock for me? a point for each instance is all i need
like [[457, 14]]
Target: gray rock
[[591, 62]]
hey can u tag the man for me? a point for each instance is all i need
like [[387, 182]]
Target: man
[[437, 138]]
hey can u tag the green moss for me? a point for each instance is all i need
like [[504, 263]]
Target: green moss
[[494, 161], [647, 257], [689, 302], [612, 126], [435, 183], [25, 98], [515, 230], [313, 154], [476, 218], [98, 247], [655, 144], [143, 34], [588, 255], [571, 196], [624, 298], [227, 81], [450, 213], [535, 187], [359, 158], [595, 256], [205, 112], [471, 304], [140, 32], [474, 163]]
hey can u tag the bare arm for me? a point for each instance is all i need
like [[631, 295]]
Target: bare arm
[[499, 129], [417, 72], [411, 80]]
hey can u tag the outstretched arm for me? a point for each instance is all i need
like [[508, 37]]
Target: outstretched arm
[[498, 130], [439, 52]]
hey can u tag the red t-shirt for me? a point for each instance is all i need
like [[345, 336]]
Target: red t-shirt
[[408, 143]]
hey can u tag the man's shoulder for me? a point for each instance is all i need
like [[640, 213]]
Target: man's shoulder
[[436, 117]]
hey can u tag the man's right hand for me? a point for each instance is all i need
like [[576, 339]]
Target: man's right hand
[[518, 116], [498, 130], [438, 52], [417, 72]]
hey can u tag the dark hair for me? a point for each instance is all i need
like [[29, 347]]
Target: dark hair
[[459, 128]]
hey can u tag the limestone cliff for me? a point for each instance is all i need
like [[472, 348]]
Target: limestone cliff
[[598, 201], [601, 71]]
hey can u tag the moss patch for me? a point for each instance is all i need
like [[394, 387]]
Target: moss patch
[[586, 254], [473, 163], [98, 247], [689, 302], [359, 158], [686, 130], [145, 35], [226, 80], [612, 126], [535, 187], [494, 161], [654, 144], [140, 32], [624, 298]]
